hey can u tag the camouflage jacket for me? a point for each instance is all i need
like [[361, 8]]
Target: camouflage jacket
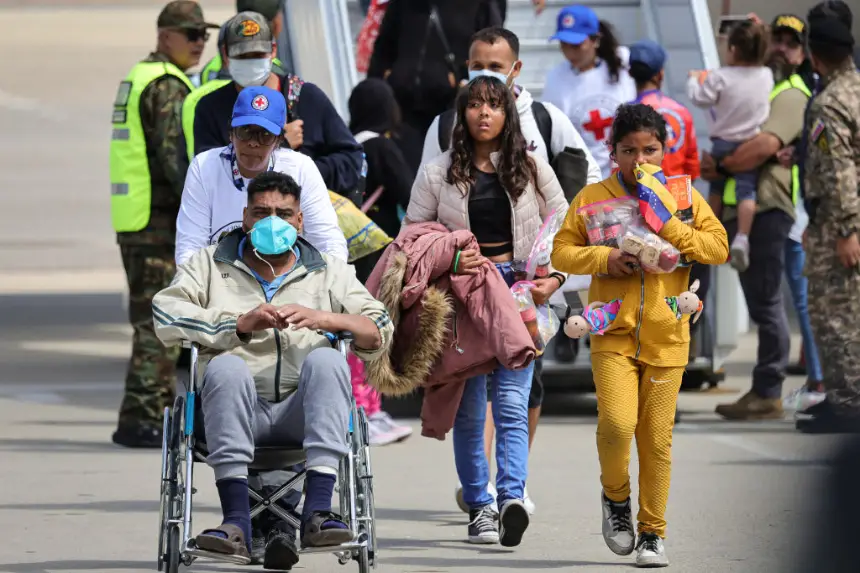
[[832, 169], [161, 116]]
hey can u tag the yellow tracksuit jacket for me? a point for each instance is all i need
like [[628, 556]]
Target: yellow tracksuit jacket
[[645, 329]]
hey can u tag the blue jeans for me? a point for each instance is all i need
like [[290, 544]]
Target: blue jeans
[[509, 394], [745, 181], [794, 260]]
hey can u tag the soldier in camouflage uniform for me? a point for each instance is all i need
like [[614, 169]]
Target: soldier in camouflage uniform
[[148, 254], [832, 184]]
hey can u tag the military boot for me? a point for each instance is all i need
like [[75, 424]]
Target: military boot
[[751, 406]]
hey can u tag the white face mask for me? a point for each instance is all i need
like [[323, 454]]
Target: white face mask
[[489, 73], [250, 72]]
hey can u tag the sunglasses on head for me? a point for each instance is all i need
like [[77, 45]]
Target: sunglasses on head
[[249, 132], [195, 34]]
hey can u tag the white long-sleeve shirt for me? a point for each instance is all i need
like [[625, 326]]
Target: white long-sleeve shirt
[[739, 98], [563, 135], [212, 205], [590, 100]]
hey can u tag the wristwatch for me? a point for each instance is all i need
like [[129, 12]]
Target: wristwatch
[[720, 168]]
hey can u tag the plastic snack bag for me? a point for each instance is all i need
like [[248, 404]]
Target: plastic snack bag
[[540, 320], [654, 253], [537, 265], [605, 220]]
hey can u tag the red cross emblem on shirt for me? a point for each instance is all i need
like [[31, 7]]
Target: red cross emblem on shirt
[[597, 125], [260, 103]]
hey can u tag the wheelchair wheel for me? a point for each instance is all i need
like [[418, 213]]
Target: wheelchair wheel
[[170, 538], [363, 560], [364, 494]]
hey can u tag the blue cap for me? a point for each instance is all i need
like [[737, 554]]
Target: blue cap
[[649, 53], [262, 106], [576, 24]]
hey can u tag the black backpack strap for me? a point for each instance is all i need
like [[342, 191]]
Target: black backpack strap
[[446, 127], [544, 124]]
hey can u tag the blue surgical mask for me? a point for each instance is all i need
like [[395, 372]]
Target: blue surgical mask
[[490, 74], [273, 236], [250, 72]]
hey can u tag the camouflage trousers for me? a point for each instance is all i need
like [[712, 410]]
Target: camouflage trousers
[[834, 305], [151, 376]]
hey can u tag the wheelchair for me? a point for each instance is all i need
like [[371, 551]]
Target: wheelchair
[[181, 449]]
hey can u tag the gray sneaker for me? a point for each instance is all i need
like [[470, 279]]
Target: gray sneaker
[[617, 526], [650, 551], [740, 254], [482, 526]]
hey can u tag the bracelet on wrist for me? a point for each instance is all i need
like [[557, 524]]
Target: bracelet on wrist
[[457, 261]]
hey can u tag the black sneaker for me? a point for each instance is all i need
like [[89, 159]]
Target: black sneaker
[[482, 526], [281, 550], [618, 526], [825, 418], [514, 520], [138, 435]]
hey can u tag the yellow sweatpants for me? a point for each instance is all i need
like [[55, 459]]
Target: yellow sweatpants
[[636, 399]]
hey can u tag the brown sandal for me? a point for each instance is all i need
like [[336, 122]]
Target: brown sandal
[[234, 544]]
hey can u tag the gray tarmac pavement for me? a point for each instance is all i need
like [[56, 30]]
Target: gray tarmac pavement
[[742, 494]]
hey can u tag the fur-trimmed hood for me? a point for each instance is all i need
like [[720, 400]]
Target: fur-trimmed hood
[[448, 328], [424, 345]]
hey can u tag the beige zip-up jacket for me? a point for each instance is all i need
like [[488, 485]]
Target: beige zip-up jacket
[[214, 287], [434, 199]]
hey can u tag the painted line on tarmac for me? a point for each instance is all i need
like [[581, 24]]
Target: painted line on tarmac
[[21, 388], [752, 447], [28, 104], [712, 432], [64, 282]]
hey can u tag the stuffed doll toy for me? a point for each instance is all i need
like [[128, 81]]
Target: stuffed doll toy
[[594, 320], [687, 303]]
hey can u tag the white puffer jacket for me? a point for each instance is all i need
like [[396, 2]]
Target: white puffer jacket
[[434, 199]]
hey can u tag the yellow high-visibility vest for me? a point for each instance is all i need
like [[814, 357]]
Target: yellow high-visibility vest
[[793, 82], [130, 182]]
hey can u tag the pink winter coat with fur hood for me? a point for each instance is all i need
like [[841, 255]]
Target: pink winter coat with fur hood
[[448, 327]]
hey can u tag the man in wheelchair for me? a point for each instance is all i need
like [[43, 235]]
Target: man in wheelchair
[[258, 303]]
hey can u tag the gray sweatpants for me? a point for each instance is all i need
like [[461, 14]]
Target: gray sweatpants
[[315, 417]]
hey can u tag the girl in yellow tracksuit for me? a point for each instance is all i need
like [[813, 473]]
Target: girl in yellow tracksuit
[[638, 363]]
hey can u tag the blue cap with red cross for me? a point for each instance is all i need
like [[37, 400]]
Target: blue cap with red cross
[[261, 106], [576, 23]]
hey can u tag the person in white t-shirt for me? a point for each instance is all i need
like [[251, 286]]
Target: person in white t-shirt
[[593, 81], [495, 52], [215, 186]]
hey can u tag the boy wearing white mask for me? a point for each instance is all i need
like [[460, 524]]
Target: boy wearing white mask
[[495, 52], [313, 125]]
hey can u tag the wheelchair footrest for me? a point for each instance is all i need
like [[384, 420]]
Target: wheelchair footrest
[[349, 546], [197, 552]]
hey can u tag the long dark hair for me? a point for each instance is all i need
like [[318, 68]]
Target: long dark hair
[[607, 50], [515, 169]]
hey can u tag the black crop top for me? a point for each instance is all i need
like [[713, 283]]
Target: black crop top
[[490, 210]]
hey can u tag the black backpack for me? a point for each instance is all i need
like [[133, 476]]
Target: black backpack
[[542, 118]]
